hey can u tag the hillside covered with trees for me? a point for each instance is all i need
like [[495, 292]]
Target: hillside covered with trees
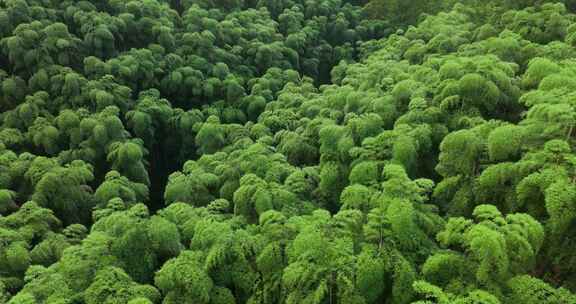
[[287, 151]]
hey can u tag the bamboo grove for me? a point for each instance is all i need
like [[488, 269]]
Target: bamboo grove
[[287, 151]]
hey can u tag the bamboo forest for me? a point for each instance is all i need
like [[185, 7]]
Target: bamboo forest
[[288, 152]]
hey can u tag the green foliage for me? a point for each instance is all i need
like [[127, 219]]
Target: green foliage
[[527, 289], [183, 280], [435, 293], [117, 186], [113, 285], [132, 230], [495, 248], [29, 227], [38, 44], [65, 190], [400, 12], [287, 151]]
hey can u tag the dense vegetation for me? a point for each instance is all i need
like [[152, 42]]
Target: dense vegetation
[[287, 151]]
